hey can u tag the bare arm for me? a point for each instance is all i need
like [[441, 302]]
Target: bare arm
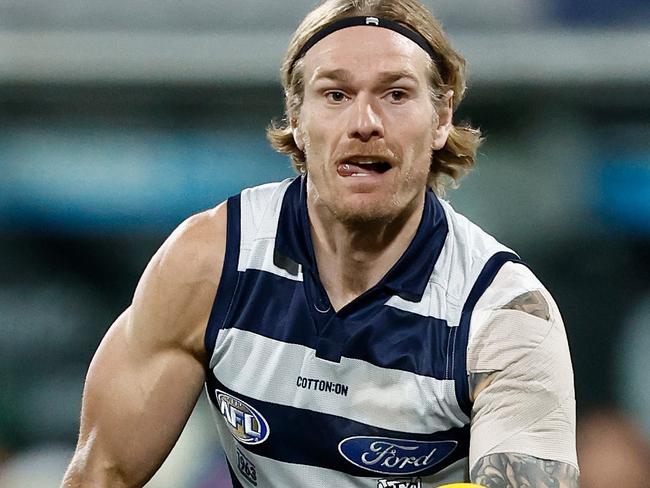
[[148, 371], [509, 470]]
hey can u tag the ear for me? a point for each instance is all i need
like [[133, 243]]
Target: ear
[[297, 134], [445, 115]]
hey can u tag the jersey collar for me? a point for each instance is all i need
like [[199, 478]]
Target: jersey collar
[[408, 278]]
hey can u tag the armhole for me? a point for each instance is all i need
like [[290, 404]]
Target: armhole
[[229, 275], [484, 280]]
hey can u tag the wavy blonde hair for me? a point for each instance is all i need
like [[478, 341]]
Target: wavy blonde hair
[[449, 164]]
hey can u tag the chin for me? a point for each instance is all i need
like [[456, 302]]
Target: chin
[[365, 211]]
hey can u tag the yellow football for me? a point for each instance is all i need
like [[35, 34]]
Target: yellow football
[[461, 485]]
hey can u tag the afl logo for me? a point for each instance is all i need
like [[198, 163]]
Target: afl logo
[[394, 456], [245, 423]]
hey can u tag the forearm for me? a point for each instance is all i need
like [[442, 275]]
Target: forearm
[[135, 405], [104, 461], [510, 470]]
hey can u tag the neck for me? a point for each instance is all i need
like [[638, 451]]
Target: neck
[[352, 257]]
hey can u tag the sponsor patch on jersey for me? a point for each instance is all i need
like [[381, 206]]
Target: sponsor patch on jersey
[[246, 468], [326, 386], [246, 424], [400, 483], [394, 456]]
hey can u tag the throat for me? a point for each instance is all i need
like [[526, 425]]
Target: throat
[[347, 272], [344, 288], [352, 257]]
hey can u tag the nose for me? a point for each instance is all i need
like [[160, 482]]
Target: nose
[[365, 121]]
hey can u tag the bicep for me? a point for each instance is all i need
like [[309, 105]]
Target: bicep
[[137, 398], [522, 471]]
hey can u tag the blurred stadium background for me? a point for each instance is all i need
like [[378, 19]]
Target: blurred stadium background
[[119, 119]]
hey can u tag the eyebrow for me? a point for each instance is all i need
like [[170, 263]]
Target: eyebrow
[[333, 75], [346, 76], [393, 76]]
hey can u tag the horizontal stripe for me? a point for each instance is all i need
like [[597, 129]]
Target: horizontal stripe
[[311, 438], [275, 474], [268, 370], [380, 335]]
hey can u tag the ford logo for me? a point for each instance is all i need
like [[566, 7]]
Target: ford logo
[[394, 456], [245, 423]]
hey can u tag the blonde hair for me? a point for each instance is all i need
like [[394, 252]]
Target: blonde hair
[[449, 164]]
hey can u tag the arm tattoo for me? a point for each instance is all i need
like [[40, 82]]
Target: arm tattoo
[[531, 302], [510, 470]]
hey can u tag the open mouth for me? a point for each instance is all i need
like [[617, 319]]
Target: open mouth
[[362, 168]]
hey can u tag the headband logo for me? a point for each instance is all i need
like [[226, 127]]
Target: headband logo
[[372, 20]]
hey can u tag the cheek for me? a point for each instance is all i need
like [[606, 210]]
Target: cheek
[[414, 131], [316, 155], [418, 152], [320, 141]]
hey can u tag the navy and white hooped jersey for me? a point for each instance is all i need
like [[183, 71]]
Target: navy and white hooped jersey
[[373, 395]]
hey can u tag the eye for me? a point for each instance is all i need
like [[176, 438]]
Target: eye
[[335, 96], [397, 95]]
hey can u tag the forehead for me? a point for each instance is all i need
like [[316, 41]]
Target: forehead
[[366, 50]]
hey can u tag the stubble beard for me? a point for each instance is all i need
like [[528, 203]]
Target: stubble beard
[[367, 216], [371, 215]]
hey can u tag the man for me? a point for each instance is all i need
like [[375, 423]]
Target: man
[[363, 334]]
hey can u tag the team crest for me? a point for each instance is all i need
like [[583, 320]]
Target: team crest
[[246, 424]]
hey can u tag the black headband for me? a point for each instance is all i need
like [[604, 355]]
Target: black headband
[[415, 36]]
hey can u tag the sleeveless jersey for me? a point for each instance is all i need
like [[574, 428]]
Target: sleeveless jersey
[[374, 395]]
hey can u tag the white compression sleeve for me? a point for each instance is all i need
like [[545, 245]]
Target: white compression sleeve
[[529, 405]]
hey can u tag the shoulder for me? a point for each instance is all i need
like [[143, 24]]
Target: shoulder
[[515, 315], [512, 281], [193, 249], [173, 299], [516, 309]]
